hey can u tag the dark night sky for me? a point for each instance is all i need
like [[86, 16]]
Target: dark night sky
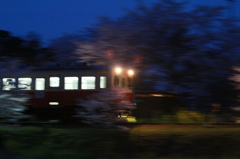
[[53, 18]]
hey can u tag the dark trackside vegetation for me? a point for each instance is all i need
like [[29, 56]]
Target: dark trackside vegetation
[[141, 142]]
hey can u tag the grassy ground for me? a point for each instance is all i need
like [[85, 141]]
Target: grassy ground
[[62, 143], [141, 142], [187, 141]]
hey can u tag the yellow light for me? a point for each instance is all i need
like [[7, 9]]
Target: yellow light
[[131, 119], [157, 95], [130, 72], [118, 70]]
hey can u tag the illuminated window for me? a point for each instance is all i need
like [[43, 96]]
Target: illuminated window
[[103, 82], [9, 83], [70, 83], [54, 81], [88, 82], [24, 83], [40, 84]]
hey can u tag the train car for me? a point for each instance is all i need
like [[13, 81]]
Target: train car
[[152, 103], [62, 86]]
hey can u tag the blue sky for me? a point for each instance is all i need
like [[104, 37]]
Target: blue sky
[[53, 18]]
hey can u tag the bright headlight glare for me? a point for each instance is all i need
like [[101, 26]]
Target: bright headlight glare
[[130, 72], [118, 70]]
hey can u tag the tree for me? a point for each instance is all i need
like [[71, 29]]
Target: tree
[[9, 45], [102, 109], [12, 107], [28, 48], [63, 48], [188, 49], [12, 101], [32, 51]]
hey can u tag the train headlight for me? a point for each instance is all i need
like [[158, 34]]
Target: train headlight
[[118, 70], [130, 72]]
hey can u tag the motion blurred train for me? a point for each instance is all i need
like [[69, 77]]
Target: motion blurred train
[[62, 86]]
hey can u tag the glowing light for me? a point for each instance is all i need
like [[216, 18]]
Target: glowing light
[[131, 119], [53, 103], [118, 70], [157, 95], [130, 72]]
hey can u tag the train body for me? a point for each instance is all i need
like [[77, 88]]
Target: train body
[[62, 87], [152, 104]]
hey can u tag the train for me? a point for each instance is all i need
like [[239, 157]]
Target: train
[[55, 90]]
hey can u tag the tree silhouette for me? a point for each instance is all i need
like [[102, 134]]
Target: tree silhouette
[[182, 50]]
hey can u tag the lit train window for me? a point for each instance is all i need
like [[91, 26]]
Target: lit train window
[[24, 83], [70, 83], [40, 84], [103, 82], [54, 82], [88, 82], [9, 83]]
